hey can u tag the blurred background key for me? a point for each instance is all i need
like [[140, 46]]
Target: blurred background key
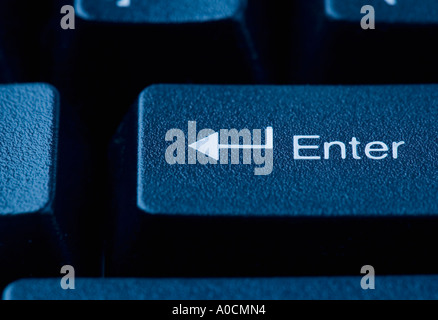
[[174, 40], [337, 41], [120, 47]]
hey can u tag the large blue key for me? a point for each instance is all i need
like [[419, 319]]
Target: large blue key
[[277, 179], [31, 243]]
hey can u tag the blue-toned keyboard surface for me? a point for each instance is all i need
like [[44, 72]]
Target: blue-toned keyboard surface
[[235, 149]]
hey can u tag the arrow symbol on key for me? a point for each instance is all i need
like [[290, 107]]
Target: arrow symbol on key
[[210, 145]]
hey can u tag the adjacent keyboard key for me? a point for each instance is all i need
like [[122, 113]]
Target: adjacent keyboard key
[[396, 46], [303, 288], [31, 242], [202, 41], [120, 47], [276, 180]]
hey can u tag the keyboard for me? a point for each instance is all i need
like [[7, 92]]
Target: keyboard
[[218, 149]]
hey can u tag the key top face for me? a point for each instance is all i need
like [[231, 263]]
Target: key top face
[[221, 181], [169, 11], [28, 137], [304, 151], [30, 237]]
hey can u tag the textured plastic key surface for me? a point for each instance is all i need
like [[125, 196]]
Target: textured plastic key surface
[[304, 288], [402, 186], [388, 11], [168, 11], [306, 217], [30, 239], [28, 139]]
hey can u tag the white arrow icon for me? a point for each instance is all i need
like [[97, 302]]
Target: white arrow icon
[[210, 145]]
